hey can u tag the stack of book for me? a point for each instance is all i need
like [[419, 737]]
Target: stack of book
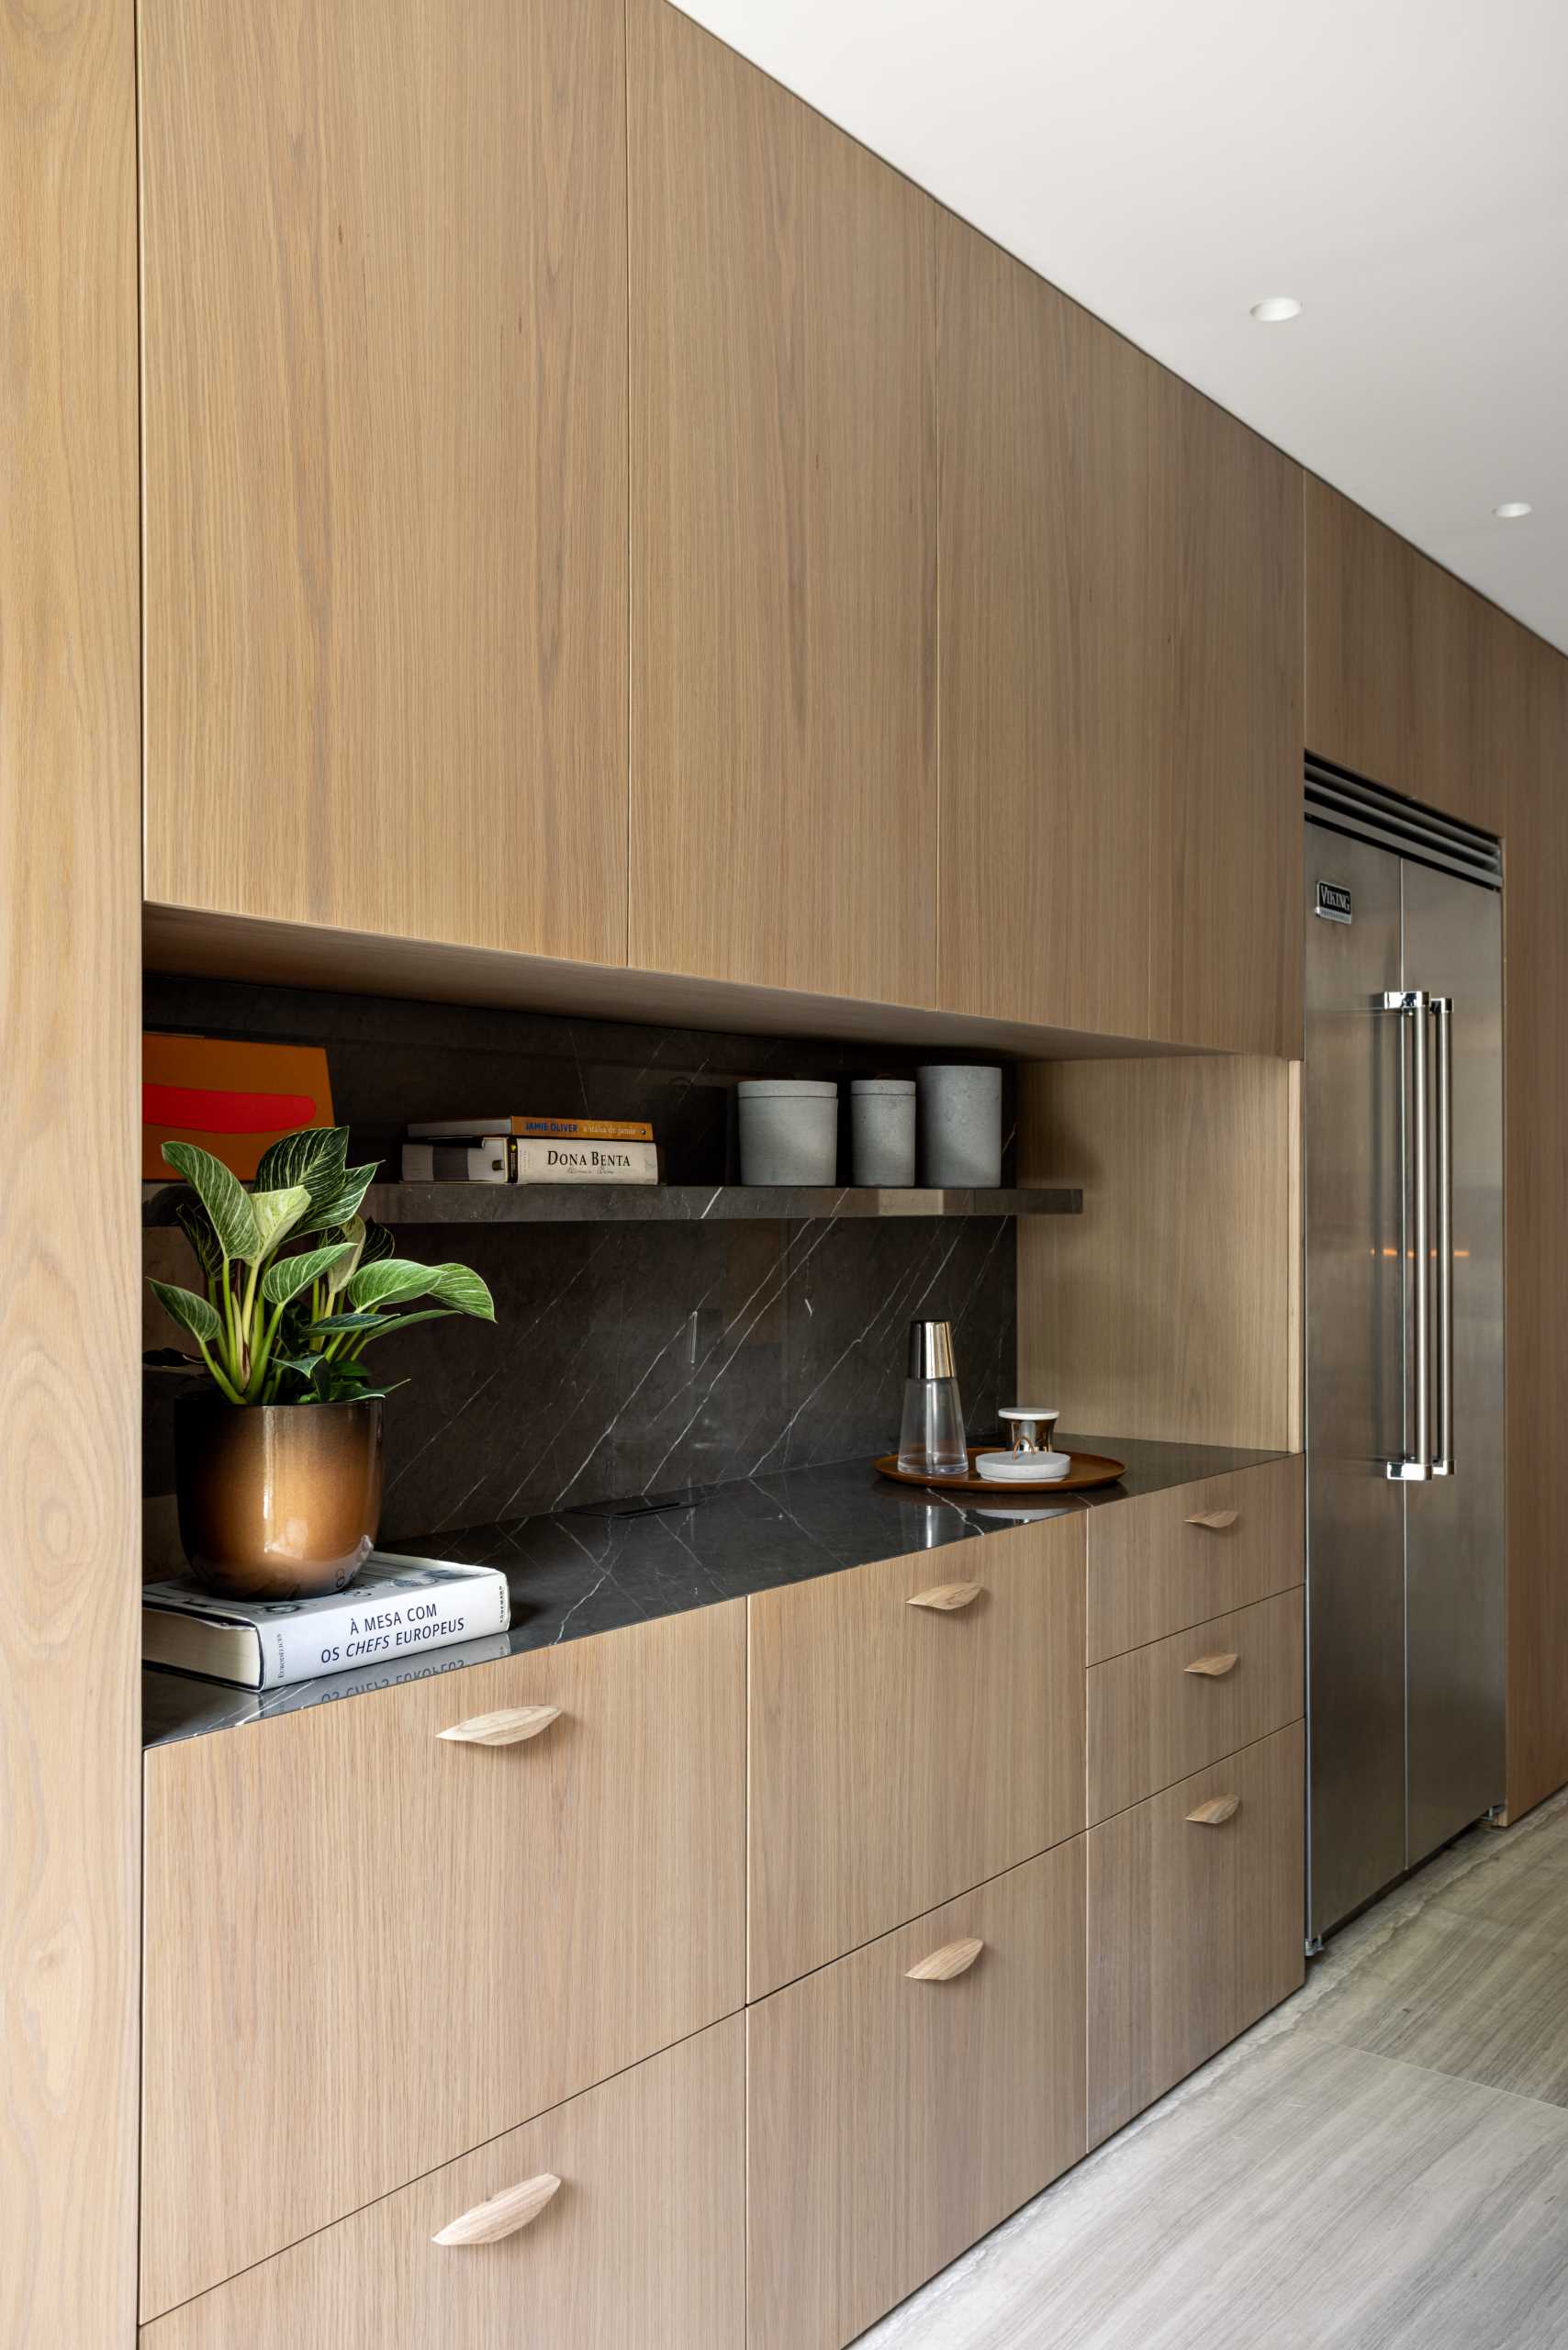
[[531, 1150], [395, 1609]]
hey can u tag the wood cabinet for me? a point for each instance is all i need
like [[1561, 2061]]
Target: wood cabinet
[[1411, 678], [1226, 562], [70, 1255], [1163, 1561], [915, 1727], [1196, 1922], [370, 1947], [1536, 1171], [1120, 681], [643, 2241], [1164, 1710], [783, 534], [893, 2119], [384, 309], [1046, 675]]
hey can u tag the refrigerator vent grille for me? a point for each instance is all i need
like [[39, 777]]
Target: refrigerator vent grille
[[1366, 812]]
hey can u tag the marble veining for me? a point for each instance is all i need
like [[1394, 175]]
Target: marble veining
[[575, 1573]]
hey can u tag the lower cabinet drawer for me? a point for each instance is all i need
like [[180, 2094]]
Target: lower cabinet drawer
[[1165, 1710], [1163, 1561], [642, 2242], [1195, 1923], [381, 1932], [894, 2116], [913, 1729]]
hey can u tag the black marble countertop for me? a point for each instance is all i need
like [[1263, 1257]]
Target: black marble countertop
[[577, 1573]]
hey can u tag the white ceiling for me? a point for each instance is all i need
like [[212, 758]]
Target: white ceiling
[[1400, 166]]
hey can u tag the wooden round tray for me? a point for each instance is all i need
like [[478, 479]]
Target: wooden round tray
[[1088, 1469]]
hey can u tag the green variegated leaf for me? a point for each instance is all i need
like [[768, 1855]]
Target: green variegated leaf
[[192, 1312], [289, 1275], [196, 1226], [463, 1292], [314, 1156], [392, 1278], [339, 1278], [380, 1324], [276, 1213], [341, 1207], [379, 1243], [221, 1194]]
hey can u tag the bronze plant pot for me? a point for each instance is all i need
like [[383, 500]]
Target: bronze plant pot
[[278, 1501]]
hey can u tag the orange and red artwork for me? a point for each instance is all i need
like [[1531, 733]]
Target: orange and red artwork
[[230, 1096]]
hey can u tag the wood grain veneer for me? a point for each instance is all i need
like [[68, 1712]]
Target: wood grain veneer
[[1170, 1309], [294, 954], [644, 2243], [1153, 1572], [70, 1631], [1226, 556], [1048, 720], [1408, 671], [1196, 1924], [1536, 1201], [783, 536], [891, 2121], [384, 311], [1161, 1712], [897, 1754], [391, 1948]]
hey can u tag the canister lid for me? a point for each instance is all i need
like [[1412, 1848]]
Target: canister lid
[[787, 1089], [873, 1087]]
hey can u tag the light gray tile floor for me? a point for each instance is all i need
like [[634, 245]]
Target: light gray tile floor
[[1380, 2164]]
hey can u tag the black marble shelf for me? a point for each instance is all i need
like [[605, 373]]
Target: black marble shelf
[[578, 1573], [662, 1202]]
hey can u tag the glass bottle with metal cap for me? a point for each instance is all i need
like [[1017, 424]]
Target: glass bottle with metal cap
[[932, 1443]]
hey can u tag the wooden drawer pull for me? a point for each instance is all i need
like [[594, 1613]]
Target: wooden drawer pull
[[953, 1958], [503, 2214], [1216, 1811], [1212, 1668], [946, 1596], [507, 1729], [1216, 1520]]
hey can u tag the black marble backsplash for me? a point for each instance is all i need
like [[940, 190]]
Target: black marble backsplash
[[625, 1359]]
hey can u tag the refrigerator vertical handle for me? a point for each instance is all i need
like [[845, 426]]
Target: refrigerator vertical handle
[[1412, 1005], [1442, 1021]]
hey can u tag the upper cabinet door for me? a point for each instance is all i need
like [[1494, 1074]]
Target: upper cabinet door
[[1047, 717], [385, 290], [783, 536], [1226, 562], [1410, 675]]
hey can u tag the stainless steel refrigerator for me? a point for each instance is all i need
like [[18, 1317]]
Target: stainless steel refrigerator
[[1403, 1134]]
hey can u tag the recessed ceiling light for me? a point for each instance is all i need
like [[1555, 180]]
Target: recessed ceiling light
[[1276, 308], [1512, 510]]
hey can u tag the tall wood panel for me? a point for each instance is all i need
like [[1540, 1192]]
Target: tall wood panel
[[1403, 662], [385, 289], [783, 536], [1225, 554], [69, 1728], [1171, 1308], [1048, 720], [1535, 1209]]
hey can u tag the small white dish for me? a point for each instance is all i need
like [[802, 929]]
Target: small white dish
[[1022, 1468]]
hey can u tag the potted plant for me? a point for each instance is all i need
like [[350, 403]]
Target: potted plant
[[278, 1461]]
